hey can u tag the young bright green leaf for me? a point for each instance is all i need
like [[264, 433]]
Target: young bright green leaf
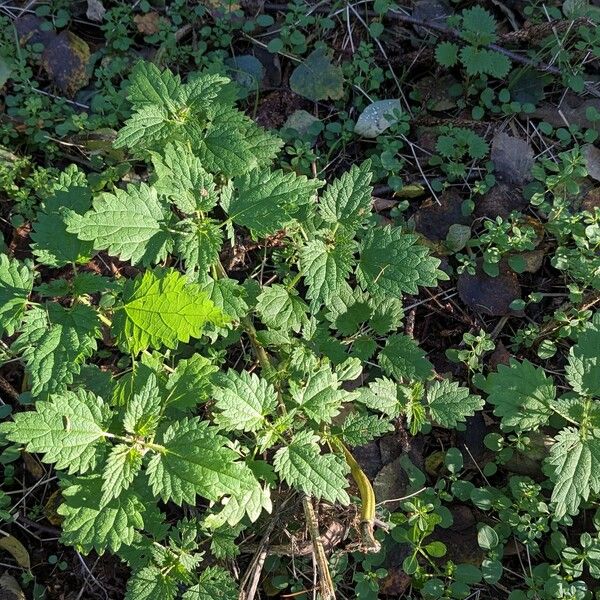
[[147, 127], [150, 583], [129, 224], [55, 342], [243, 400], [214, 584], [16, 281], [182, 178], [347, 200], [67, 430], [190, 384], [382, 395], [301, 465], [143, 410], [574, 466], [266, 201], [160, 308], [320, 399], [450, 404], [326, 268], [393, 263], [522, 395], [250, 503], [281, 308], [89, 526], [53, 244], [403, 359], [122, 465], [198, 242], [195, 461]]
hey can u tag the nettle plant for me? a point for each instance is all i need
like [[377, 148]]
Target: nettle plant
[[183, 386]]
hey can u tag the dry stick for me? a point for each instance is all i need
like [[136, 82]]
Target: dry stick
[[325, 581]]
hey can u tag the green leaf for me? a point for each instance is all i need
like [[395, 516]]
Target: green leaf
[[403, 359], [215, 584], [55, 342], [320, 399], [148, 126], [393, 263], [122, 465], [574, 467], [225, 149], [478, 26], [326, 268], [446, 53], [89, 526], [487, 537], [182, 178], [190, 384], [347, 200], [479, 60], [149, 86], [144, 409], [198, 243], [150, 583], [450, 404], [243, 400], [382, 395], [266, 201], [317, 78], [160, 308], [67, 429], [522, 395], [359, 430], [194, 460], [53, 244], [301, 465], [281, 308], [583, 369], [129, 224], [16, 281]]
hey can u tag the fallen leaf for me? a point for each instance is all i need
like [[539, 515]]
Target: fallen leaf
[[300, 121], [5, 69], [33, 465], [592, 160], [65, 59], [573, 109], [317, 78], [10, 588], [148, 23], [512, 158], [489, 295], [247, 71], [13, 546], [95, 10], [51, 507], [433, 219], [376, 118], [500, 201]]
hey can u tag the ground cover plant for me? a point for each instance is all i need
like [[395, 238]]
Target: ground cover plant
[[300, 300]]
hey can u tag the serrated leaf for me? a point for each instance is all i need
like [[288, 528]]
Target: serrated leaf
[[281, 308], [214, 584], [54, 344], [326, 268], [198, 243], [132, 225], [266, 201], [393, 263], [574, 465], [522, 395], [195, 461], [190, 384], [302, 466], [228, 295], [53, 244], [319, 398], [250, 503], [182, 178], [150, 583], [382, 395], [583, 369], [144, 409], [16, 282], [161, 308], [450, 404], [243, 400], [148, 126], [224, 149], [149, 86], [347, 200], [403, 359], [66, 429], [446, 53], [89, 526], [122, 465], [358, 430]]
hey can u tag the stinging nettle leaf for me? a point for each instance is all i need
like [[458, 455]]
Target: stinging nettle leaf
[[16, 282], [281, 308], [122, 465], [161, 308], [403, 359], [450, 404]]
